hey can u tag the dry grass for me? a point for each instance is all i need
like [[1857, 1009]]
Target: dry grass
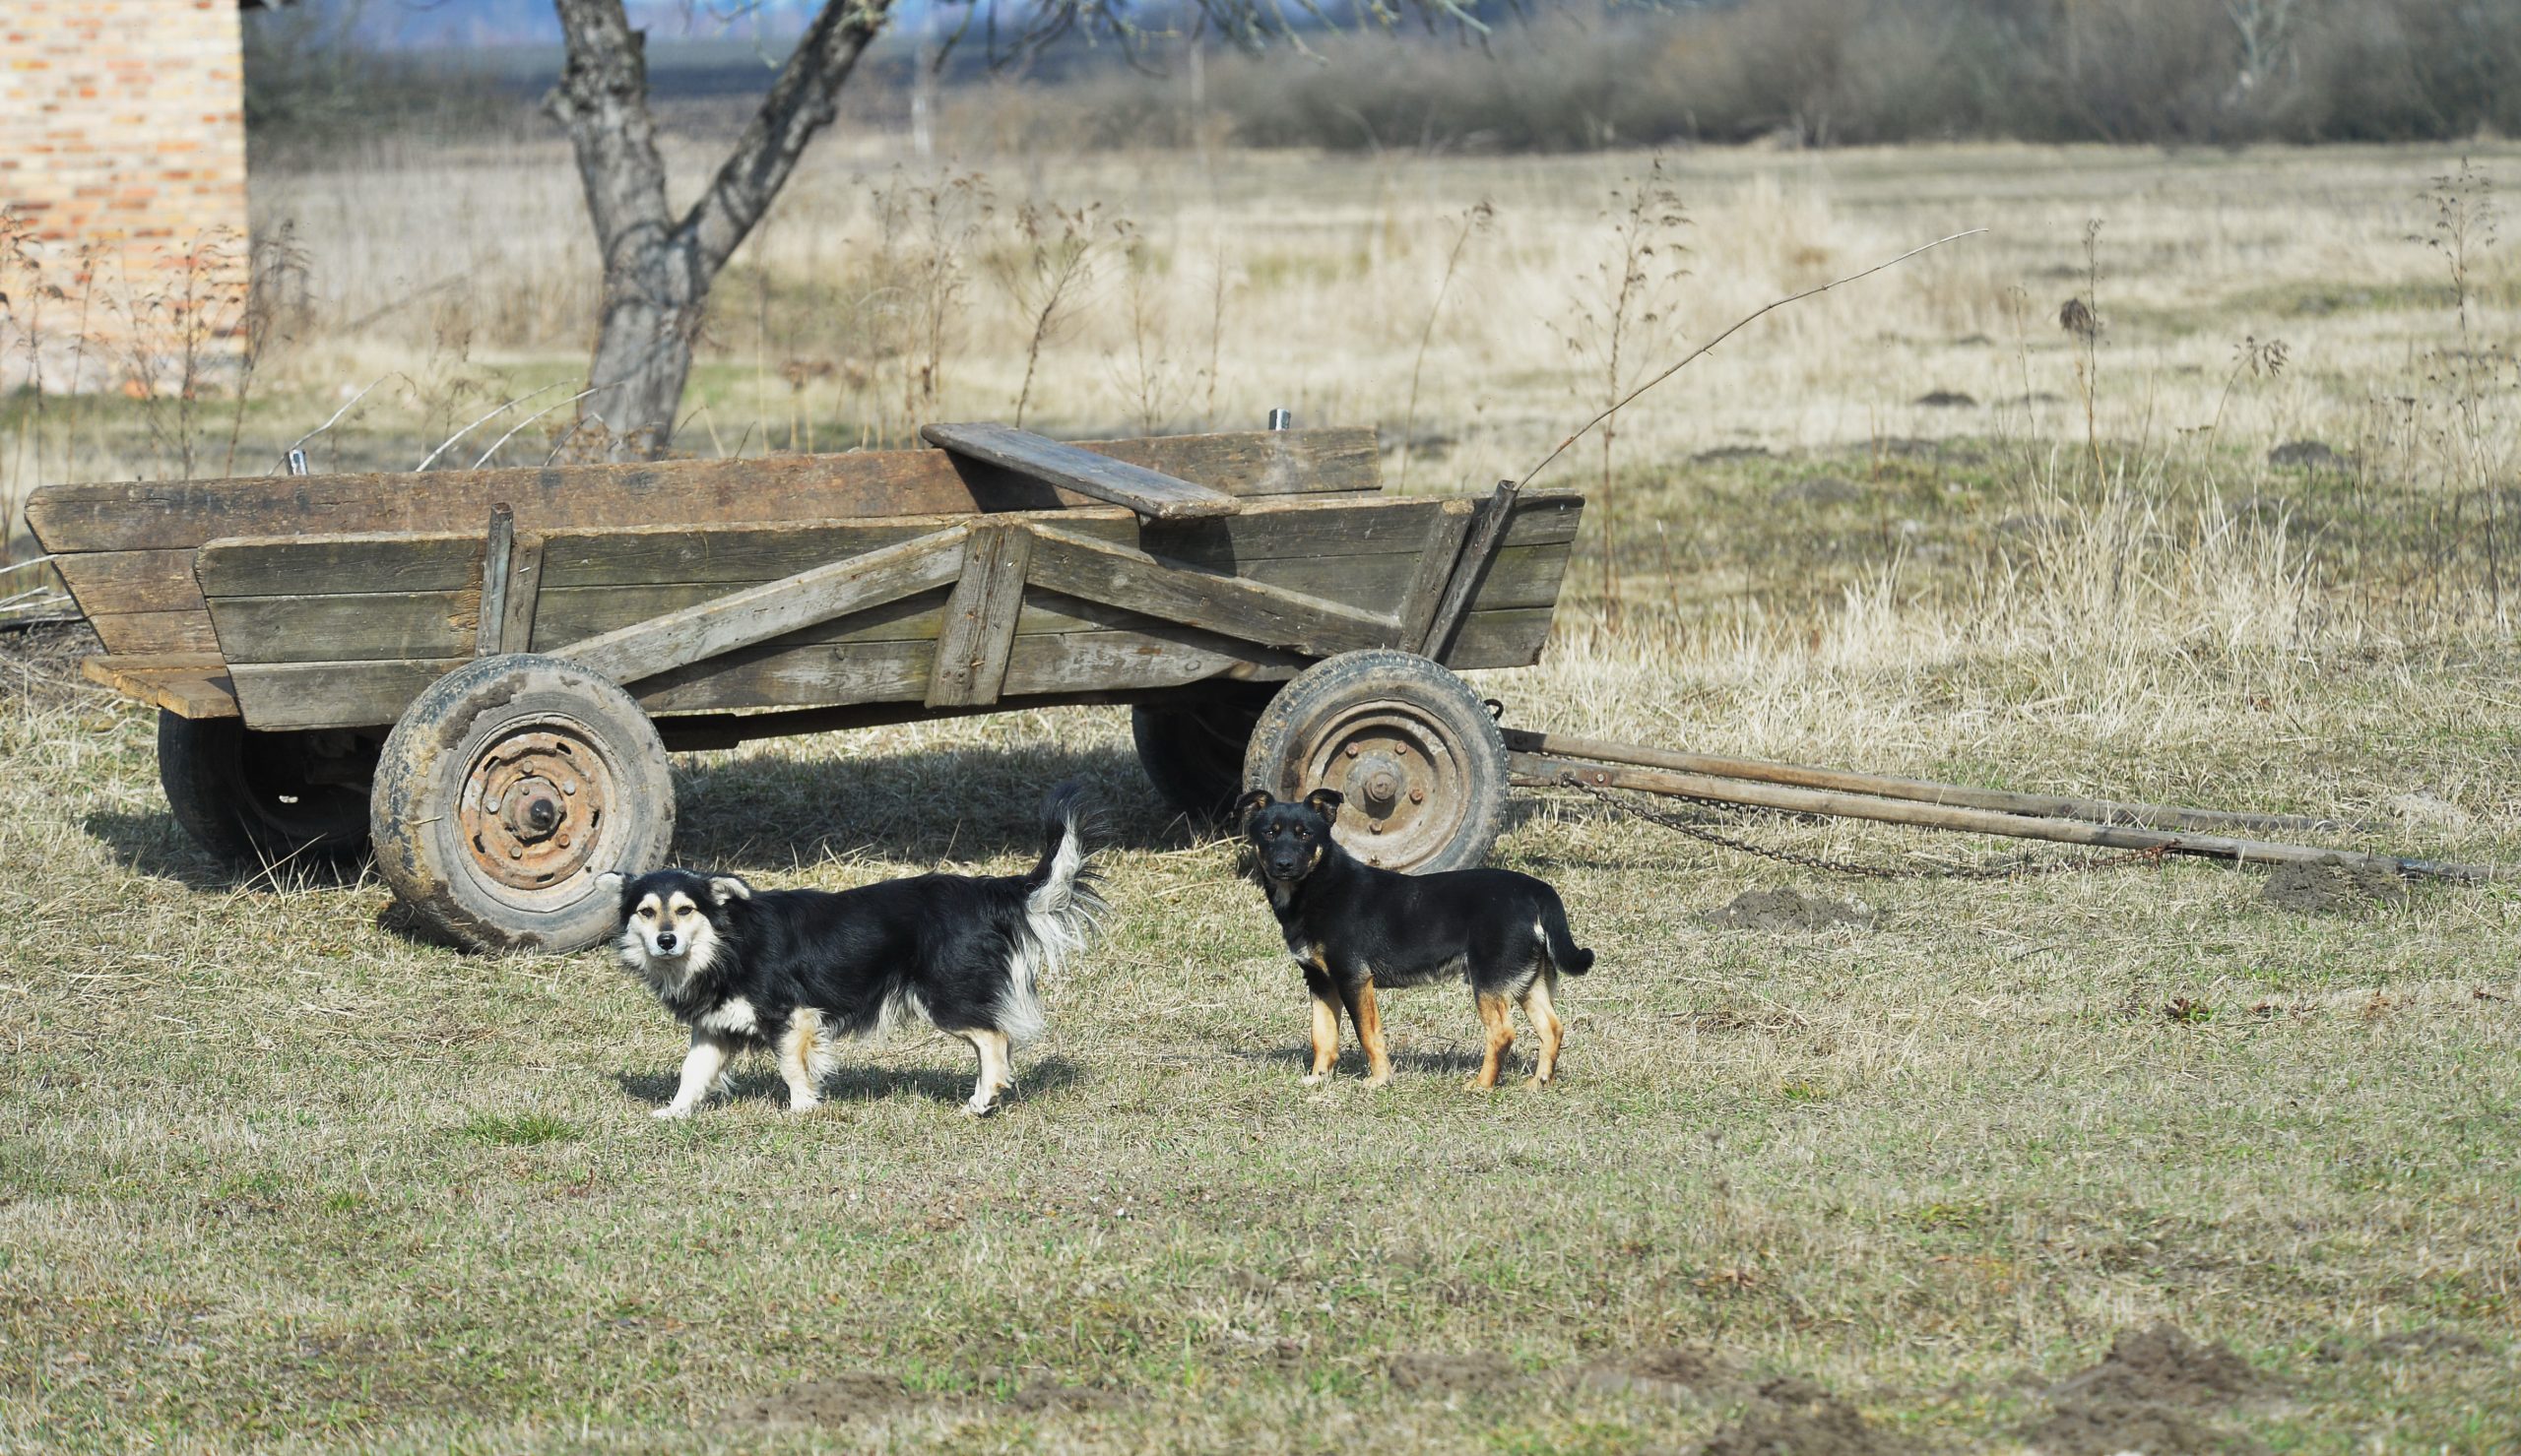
[[274, 1177]]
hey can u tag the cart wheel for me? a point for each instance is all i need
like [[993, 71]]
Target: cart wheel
[[1416, 754], [250, 797], [506, 789], [1193, 754]]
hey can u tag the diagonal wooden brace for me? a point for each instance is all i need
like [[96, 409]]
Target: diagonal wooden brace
[[740, 619]]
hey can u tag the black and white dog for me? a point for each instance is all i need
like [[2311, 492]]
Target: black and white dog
[[793, 970], [1354, 928]]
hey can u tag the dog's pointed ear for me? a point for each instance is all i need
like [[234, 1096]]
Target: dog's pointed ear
[[1326, 802], [611, 882], [727, 887], [1251, 802]]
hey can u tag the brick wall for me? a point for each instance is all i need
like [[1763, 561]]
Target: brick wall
[[122, 152]]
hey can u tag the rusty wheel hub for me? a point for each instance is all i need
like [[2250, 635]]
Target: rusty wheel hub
[[1401, 778], [532, 806]]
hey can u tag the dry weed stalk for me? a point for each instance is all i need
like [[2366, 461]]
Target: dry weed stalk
[[1044, 275], [1144, 375], [1630, 314], [926, 234]]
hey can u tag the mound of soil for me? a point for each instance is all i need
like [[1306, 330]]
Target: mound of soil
[[2149, 1393], [2332, 888], [1946, 399], [1662, 1374], [855, 1395], [1817, 491], [1796, 1418], [1428, 1372], [1789, 910], [2307, 455]]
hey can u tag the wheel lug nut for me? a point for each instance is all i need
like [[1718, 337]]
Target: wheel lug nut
[[1417, 795], [1353, 750], [515, 852]]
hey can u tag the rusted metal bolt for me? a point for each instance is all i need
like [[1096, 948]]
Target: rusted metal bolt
[[541, 816], [1417, 795], [569, 787], [516, 851], [1353, 750], [564, 841], [1377, 826]]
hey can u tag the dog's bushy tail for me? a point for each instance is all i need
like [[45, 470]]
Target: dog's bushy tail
[[1062, 902], [1564, 953]]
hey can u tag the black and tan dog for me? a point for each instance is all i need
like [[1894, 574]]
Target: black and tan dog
[[1354, 929]]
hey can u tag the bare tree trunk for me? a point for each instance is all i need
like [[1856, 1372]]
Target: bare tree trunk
[[658, 267]]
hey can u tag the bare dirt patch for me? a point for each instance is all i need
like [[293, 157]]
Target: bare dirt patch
[[2153, 1391], [1796, 1417], [855, 1395], [1427, 1372], [2332, 889], [1789, 910]]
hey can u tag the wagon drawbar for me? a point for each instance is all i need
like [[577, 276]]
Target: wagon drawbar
[[477, 674]]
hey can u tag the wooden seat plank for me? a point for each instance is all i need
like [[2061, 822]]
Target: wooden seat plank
[[1151, 493], [186, 684]]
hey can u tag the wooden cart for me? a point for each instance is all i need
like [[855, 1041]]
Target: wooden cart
[[479, 674]]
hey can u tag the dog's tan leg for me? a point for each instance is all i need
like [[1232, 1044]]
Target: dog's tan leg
[[997, 1072], [1501, 1035], [1325, 1027], [800, 1049], [702, 1066], [1369, 1022], [1543, 1015]]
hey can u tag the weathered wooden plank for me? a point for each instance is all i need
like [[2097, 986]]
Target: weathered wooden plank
[[525, 591], [765, 677], [370, 628], [131, 581], [1151, 493], [364, 562], [757, 613], [491, 609], [148, 633], [981, 618], [188, 685], [1499, 639], [1433, 568], [175, 515], [315, 695], [1478, 552], [1245, 611]]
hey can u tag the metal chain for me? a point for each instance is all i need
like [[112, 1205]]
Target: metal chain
[[1828, 865]]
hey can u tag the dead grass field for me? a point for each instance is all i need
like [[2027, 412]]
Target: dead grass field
[[274, 1177]]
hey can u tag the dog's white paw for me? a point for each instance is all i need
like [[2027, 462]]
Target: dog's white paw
[[673, 1112], [804, 1103], [977, 1108], [1316, 1079]]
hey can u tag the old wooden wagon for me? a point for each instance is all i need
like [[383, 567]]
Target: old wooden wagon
[[479, 674]]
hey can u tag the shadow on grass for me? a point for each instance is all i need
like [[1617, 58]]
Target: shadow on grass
[[930, 807], [1297, 1060], [866, 1084], [155, 846]]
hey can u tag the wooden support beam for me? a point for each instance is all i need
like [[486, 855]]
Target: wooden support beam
[[186, 684], [755, 614], [1485, 534], [981, 618], [1214, 601], [1151, 493], [495, 550], [1536, 770], [1425, 589], [523, 593]]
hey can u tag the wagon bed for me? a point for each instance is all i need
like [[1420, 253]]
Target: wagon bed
[[317, 644]]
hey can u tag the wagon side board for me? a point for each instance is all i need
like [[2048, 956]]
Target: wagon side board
[[342, 631], [125, 549]]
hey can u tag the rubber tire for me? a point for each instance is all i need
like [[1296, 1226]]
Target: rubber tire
[[228, 788], [413, 809], [1428, 693], [1193, 754]]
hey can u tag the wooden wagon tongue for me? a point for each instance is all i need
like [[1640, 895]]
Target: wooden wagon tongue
[[1151, 493]]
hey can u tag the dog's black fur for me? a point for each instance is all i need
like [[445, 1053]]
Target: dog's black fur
[[1354, 928], [789, 971]]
